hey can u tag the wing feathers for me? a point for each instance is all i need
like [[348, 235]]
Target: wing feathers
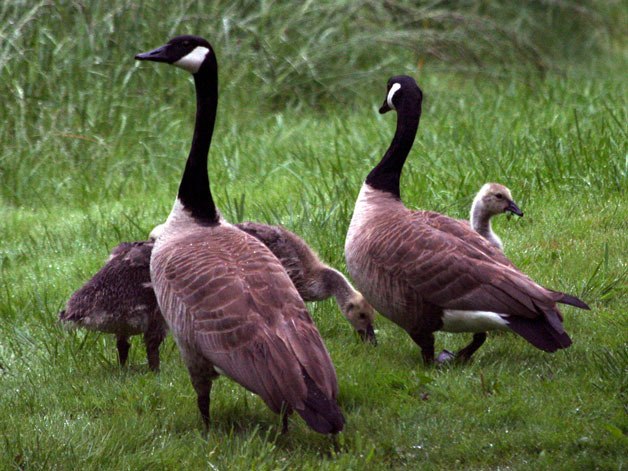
[[540, 333], [572, 301], [248, 319]]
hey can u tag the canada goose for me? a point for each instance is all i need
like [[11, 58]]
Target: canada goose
[[314, 280], [229, 303], [428, 272], [119, 299], [491, 200]]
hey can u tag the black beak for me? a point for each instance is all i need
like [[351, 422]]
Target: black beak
[[156, 55], [368, 335], [514, 209], [384, 108]]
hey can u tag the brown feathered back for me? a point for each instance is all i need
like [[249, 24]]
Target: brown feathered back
[[228, 298], [415, 265], [314, 280]]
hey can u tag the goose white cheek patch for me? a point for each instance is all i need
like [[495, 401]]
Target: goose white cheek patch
[[192, 61], [391, 94]]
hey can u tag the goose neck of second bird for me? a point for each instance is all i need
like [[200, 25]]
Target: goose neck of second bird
[[194, 190], [479, 220], [335, 283], [385, 176]]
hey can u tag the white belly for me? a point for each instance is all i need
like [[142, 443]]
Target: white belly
[[473, 321]]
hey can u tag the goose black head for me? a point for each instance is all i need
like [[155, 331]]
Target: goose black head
[[401, 89], [188, 52]]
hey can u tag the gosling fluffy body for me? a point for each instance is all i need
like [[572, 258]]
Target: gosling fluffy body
[[119, 299]]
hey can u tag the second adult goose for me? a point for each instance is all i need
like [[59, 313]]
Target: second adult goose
[[428, 272], [491, 200], [229, 303]]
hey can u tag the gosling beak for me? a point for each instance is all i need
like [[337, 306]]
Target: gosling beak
[[368, 335], [514, 209]]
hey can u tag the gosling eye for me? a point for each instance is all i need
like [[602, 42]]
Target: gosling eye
[[362, 316], [499, 196]]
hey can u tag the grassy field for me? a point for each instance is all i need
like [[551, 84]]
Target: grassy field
[[93, 146]]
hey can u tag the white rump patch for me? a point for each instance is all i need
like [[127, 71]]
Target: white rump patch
[[391, 94], [473, 321], [192, 61]]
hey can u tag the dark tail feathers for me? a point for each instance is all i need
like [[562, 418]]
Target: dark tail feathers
[[572, 301], [321, 412], [540, 332]]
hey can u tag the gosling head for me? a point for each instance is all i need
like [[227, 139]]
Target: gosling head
[[493, 199], [361, 315], [187, 52]]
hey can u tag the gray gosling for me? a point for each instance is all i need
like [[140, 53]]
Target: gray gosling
[[119, 300], [491, 200], [314, 280]]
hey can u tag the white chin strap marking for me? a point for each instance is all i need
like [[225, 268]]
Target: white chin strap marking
[[391, 94], [192, 61]]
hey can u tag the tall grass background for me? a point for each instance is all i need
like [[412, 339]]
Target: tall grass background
[[532, 95]]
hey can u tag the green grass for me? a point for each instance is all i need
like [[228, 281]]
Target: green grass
[[92, 149]]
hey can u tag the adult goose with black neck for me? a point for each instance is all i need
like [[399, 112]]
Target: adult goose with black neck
[[428, 272], [229, 303]]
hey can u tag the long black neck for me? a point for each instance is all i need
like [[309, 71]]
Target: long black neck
[[385, 176], [194, 190]]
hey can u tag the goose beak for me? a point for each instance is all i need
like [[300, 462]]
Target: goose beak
[[514, 209], [156, 55], [368, 335], [384, 108]]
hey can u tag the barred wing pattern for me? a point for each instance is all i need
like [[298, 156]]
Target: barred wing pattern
[[226, 295]]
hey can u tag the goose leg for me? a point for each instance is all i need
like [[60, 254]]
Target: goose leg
[[425, 340], [123, 349], [202, 383], [153, 340], [152, 352], [466, 352], [284, 422]]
